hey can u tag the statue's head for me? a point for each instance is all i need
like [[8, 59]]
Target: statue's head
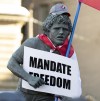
[[57, 28], [57, 25]]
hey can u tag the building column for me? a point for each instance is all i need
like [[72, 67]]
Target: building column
[[12, 17]]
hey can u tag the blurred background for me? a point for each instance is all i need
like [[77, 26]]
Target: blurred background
[[22, 19]]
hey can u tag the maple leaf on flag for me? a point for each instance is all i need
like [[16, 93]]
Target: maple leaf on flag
[[93, 3]]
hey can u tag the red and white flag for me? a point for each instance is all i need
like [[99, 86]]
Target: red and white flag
[[93, 3]]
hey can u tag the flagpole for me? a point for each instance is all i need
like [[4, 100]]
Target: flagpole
[[73, 28]]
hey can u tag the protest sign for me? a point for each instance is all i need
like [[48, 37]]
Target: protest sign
[[61, 74]]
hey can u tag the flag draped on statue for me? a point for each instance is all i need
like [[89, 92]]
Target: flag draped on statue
[[93, 3]]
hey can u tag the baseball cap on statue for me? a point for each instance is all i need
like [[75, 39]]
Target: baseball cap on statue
[[59, 9]]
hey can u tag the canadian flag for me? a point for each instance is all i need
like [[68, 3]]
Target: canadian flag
[[93, 3]]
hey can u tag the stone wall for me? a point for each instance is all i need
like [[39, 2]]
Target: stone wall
[[86, 43]]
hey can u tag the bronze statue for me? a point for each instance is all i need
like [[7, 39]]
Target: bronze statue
[[56, 29]]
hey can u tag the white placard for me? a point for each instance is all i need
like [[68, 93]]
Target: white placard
[[60, 73]]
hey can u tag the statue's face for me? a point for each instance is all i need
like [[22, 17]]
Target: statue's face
[[58, 34]]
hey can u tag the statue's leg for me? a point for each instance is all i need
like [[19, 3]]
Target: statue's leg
[[42, 97], [36, 96], [27, 96]]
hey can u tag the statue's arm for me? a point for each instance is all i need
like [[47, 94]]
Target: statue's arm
[[17, 69], [15, 65]]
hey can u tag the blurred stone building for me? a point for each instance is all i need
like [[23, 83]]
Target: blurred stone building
[[12, 17], [86, 39]]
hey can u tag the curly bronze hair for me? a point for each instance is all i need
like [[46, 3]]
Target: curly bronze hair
[[60, 19]]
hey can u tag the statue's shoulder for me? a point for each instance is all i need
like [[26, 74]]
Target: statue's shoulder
[[31, 42]]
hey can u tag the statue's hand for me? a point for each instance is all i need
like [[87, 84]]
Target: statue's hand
[[35, 82]]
